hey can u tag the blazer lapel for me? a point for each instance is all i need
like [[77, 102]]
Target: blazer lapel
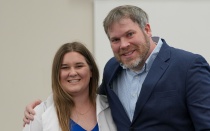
[[113, 98], [158, 68]]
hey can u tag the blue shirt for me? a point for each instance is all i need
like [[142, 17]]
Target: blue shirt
[[75, 127], [127, 85]]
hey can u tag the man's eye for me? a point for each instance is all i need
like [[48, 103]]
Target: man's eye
[[130, 34], [114, 40]]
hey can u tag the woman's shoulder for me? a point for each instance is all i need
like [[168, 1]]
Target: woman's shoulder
[[44, 105], [102, 98], [101, 102]]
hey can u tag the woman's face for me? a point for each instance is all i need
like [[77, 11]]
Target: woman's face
[[75, 74]]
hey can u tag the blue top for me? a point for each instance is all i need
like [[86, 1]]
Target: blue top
[[75, 127]]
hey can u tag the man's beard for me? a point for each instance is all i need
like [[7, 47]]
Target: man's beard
[[134, 64], [138, 62]]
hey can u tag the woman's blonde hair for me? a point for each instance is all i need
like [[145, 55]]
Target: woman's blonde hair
[[62, 100]]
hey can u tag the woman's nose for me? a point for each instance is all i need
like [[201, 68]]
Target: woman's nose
[[72, 72]]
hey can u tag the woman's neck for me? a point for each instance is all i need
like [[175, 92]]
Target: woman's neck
[[84, 113]]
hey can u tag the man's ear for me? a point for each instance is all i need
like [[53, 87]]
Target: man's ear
[[148, 30]]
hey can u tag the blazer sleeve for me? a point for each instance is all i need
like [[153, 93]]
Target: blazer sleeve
[[37, 124], [198, 93]]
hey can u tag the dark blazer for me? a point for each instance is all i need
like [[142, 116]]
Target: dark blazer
[[175, 95]]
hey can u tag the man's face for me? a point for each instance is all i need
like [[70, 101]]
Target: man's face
[[129, 43]]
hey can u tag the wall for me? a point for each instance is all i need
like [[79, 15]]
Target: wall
[[30, 33]]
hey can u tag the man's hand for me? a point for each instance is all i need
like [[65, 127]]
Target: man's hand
[[29, 112]]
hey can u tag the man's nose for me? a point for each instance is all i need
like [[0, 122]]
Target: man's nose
[[124, 43]]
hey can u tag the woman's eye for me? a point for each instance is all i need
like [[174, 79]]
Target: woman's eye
[[64, 67], [79, 66]]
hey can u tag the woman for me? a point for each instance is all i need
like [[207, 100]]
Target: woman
[[74, 105]]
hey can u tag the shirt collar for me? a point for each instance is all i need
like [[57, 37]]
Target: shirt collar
[[154, 53]]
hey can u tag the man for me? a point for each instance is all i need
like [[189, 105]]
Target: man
[[151, 86]]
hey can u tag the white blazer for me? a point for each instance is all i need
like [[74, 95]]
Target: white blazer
[[46, 117]]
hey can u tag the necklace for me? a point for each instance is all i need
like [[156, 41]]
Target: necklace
[[83, 118], [84, 112]]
